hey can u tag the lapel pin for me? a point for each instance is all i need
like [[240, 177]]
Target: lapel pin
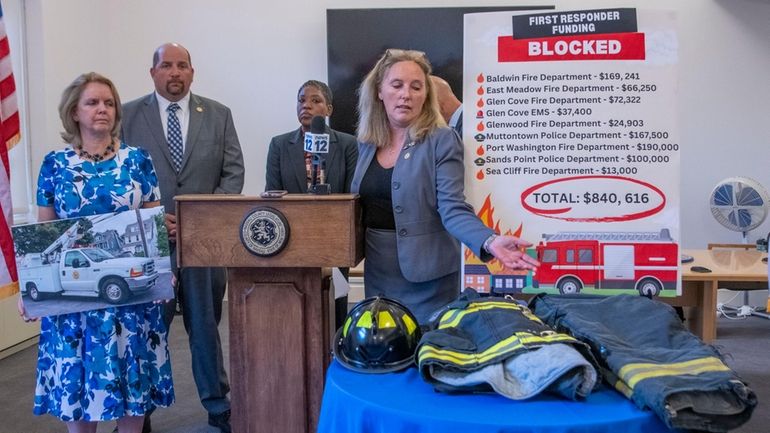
[[199, 109], [407, 155]]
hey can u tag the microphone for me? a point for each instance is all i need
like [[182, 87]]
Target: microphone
[[317, 143]]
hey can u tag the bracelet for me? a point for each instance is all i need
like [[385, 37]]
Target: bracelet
[[488, 242]]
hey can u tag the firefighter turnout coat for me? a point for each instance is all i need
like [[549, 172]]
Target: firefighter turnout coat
[[644, 351], [482, 344]]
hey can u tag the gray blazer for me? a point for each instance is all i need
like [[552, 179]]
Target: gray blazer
[[429, 206], [212, 161], [286, 162]]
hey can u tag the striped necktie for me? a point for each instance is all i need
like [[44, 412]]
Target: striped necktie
[[174, 136]]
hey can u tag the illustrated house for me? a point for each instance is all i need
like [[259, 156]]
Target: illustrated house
[[477, 278], [501, 283]]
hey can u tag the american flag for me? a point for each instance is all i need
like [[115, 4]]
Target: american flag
[[10, 134]]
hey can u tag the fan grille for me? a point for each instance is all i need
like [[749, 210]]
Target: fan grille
[[740, 204]]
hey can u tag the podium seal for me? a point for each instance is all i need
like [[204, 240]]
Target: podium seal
[[264, 231]]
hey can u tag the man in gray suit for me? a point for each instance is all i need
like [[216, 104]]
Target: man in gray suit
[[195, 150]]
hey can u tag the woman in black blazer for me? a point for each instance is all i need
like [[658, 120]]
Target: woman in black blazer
[[288, 165]]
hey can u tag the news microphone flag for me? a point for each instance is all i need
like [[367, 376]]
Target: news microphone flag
[[317, 143], [317, 140], [10, 133]]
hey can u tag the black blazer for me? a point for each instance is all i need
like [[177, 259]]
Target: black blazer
[[286, 162]]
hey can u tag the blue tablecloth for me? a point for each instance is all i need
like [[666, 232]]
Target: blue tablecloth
[[402, 402]]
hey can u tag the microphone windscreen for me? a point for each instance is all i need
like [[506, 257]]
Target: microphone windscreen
[[318, 125]]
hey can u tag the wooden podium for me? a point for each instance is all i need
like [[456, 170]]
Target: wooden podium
[[280, 307]]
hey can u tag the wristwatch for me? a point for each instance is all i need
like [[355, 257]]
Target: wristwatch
[[488, 242]]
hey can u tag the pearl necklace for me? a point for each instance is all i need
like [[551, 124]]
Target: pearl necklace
[[95, 157]]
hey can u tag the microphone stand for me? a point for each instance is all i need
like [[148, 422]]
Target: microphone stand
[[315, 187]]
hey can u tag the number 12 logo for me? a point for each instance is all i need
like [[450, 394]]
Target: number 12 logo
[[316, 143]]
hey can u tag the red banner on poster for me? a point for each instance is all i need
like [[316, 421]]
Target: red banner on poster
[[608, 46]]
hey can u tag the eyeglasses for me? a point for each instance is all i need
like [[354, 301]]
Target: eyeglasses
[[397, 52]]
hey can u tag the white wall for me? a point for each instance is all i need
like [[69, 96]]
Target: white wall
[[252, 56]]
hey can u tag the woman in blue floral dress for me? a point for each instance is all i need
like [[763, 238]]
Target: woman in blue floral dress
[[109, 364]]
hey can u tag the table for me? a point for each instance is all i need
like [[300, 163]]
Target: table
[[731, 269], [403, 402]]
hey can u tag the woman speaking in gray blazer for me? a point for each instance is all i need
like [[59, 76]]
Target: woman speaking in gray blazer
[[410, 176]]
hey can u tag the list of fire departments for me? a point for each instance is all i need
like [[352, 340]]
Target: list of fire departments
[[571, 127]]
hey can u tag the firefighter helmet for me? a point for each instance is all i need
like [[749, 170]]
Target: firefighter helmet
[[379, 335]]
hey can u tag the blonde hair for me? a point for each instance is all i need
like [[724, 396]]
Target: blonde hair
[[373, 124], [69, 101]]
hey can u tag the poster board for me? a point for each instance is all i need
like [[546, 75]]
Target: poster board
[[571, 142], [93, 262]]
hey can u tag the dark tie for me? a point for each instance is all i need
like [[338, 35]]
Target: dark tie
[[174, 136]]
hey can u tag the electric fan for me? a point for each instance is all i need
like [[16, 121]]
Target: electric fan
[[740, 204]]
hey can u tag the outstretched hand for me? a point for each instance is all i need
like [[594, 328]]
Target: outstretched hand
[[507, 249]]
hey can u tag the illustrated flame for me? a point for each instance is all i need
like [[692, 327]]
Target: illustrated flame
[[480, 78], [480, 91], [480, 103], [487, 216]]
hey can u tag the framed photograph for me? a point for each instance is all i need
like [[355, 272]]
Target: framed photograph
[[88, 263]]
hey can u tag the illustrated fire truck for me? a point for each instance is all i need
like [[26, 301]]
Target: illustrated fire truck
[[647, 262]]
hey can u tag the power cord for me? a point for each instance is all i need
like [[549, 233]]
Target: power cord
[[740, 314], [745, 311]]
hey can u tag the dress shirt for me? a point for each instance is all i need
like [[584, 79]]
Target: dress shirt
[[455, 117], [183, 114]]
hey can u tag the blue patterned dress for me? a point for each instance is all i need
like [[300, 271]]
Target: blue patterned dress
[[103, 364]]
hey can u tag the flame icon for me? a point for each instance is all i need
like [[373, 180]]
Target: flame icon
[[480, 150], [480, 91], [486, 214], [480, 103], [480, 78], [480, 126], [480, 175]]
